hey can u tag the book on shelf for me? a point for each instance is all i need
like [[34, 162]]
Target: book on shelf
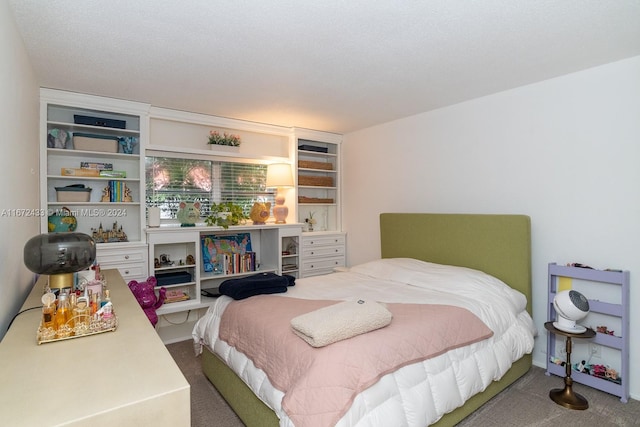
[[235, 263], [97, 165], [113, 174], [79, 172], [175, 295], [227, 254], [118, 191]]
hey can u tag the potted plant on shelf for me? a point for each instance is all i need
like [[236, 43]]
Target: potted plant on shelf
[[217, 140], [225, 214]]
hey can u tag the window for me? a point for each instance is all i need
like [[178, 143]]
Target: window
[[170, 181]]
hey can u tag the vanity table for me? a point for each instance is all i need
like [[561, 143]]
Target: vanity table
[[117, 378]]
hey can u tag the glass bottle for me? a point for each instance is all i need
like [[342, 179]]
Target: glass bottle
[[48, 310], [82, 316], [73, 298], [49, 316], [63, 314], [93, 303], [106, 298]]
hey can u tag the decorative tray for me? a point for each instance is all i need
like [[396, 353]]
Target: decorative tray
[[83, 326]]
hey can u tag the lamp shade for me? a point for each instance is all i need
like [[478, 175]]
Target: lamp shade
[[279, 175], [57, 253]]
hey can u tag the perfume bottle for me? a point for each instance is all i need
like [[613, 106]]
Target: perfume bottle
[[63, 314], [93, 303], [81, 316], [105, 299], [73, 299], [48, 310], [49, 316]]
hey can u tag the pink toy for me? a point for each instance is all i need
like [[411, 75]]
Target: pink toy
[[146, 296]]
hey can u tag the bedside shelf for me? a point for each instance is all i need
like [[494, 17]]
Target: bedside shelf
[[619, 310]]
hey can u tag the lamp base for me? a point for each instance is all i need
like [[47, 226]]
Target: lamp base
[[280, 211], [58, 282]]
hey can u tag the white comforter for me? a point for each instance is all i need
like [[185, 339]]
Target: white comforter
[[421, 393]]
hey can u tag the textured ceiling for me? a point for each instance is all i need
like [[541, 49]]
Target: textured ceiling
[[332, 65]]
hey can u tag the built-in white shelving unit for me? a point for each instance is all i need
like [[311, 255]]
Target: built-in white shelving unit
[[59, 112]]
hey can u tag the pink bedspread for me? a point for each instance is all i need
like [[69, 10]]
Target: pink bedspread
[[319, 384]]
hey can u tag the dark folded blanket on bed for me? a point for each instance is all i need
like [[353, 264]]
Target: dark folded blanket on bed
[[257, 284]]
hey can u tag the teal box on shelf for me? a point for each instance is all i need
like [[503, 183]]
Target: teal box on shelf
[[173, 278]]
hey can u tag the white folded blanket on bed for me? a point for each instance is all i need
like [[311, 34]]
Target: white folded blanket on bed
[[340, 321]]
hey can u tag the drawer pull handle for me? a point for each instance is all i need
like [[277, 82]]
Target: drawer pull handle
[[126, 272], [312, 253], [126, 257]]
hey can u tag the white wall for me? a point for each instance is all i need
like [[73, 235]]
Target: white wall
[[18, 165], [564, 151]]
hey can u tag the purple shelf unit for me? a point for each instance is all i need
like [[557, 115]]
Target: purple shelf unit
[[617, 310]]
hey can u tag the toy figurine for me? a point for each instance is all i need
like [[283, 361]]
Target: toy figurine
[[146, 297], [188, 213], [260, 212], [127, 195], [127, 144]]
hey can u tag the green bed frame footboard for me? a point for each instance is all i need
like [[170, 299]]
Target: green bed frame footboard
[[496, 244]]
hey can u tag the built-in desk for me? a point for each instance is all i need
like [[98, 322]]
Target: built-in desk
[[122, 378]]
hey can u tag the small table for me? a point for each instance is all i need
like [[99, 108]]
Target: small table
[[566, 396]]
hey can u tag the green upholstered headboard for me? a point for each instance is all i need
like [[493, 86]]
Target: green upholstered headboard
[[499, 245]]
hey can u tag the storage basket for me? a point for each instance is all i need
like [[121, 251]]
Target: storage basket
[[73, 193], [316, 181], [315, 165], [304, 199], [91, 142]]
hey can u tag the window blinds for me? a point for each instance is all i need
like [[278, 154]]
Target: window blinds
[[171, 180]]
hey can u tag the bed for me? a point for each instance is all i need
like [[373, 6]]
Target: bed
[[498, 245]]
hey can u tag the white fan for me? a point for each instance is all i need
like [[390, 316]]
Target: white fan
[[571, 306]]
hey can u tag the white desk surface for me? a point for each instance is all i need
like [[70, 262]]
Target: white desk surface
[[122, 378]]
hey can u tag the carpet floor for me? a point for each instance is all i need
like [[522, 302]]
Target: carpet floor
[[525, 403]]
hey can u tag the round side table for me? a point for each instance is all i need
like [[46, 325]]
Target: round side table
[[566, 396]]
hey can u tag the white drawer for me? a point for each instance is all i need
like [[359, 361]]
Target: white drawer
[[322, 264], [322, 251], [335, 239], [115, 257], [133, 271]]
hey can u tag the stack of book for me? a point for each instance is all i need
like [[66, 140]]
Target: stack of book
[[175, 295], [94, 169], [117, 191], [235, 263]]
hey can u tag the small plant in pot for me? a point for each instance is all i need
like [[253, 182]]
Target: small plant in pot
[[228, 139], [225, 214]]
